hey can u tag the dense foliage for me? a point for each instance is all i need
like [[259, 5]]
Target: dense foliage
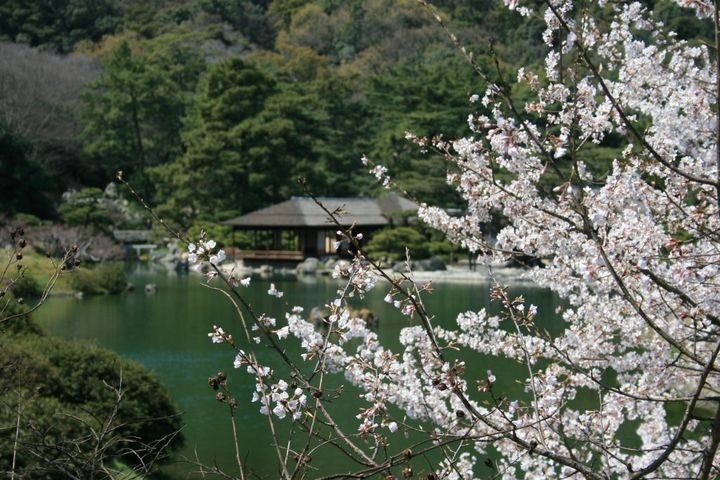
[[77, 408], [395, 243], [595, 139], [105, 278], [200, 104]]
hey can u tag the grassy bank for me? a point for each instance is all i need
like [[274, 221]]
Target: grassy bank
[[103, 278]]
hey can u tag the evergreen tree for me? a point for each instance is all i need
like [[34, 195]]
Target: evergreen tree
[[425, 101], [248, 140], [134, 111], [60, 23], [212, 177]]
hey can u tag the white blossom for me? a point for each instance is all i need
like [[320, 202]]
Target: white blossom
[[283, 332], [274, 291]]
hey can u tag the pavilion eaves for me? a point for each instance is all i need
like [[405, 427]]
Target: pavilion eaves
[[303, 212]]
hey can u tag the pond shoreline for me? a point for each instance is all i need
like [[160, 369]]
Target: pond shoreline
[[455, 273]]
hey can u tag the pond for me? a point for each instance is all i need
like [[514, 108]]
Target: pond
[[167, 332]]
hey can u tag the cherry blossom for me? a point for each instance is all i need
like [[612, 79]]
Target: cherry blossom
[[631, 246]]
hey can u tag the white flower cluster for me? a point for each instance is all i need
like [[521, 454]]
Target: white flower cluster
[[204, 251], [279, 398], [379, 171], [313, 342], [218, 335], [360, 275], [460, 468], [237, 281], [406, 305], [283, 399]]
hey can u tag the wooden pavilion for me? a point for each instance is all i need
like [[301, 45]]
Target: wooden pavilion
[[298, 228]]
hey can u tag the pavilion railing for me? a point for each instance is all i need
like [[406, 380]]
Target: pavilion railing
[[269, 254]]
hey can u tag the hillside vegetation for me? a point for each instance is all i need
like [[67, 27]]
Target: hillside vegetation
[[201, 103]]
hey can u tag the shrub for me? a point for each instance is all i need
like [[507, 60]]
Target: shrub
[[63, 390], [28, 219], [111, 277], [83, 280], [20, 325], [439, 248], [106, 278], [84, 209]]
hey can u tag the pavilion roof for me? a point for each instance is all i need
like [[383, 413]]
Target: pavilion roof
[[304, 212]]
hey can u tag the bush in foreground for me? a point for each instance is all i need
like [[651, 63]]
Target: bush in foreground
[[78, 409]]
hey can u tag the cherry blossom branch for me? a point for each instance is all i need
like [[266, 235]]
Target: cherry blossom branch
[[502, 88], [665, 285], [679, 432], [621, 111], [425, 321]]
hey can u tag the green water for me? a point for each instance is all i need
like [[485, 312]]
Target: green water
[[167, 332]]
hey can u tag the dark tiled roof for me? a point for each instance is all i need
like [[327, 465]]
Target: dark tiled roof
[[394, 203], [304, 212]]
